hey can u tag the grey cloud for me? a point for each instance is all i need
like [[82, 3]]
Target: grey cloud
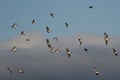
[[40, 64]]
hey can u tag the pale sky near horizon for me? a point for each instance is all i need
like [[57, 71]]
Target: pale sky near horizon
[[103, 17]]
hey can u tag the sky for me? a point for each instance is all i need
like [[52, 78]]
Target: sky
[[103, 17], [34, 56]]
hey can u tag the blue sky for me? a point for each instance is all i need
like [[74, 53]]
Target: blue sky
[[103, 17]]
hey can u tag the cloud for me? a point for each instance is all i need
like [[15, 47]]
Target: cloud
[[34, 57]]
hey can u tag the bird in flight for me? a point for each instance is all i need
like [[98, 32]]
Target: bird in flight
[[52, 15], [68, 52], [106, 39], [33, 21], [80, 41], [22, 33], [28, 39], [47, 29], [20, 70], [14, 25], [66, 24], [96, 71], [85, 49], [90, 7], [57, 50], [14, 49], [115, 52], [55, 38], [9, 69]]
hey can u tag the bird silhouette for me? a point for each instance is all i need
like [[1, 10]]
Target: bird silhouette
[[9, 69], [28, 39], [68, 52], [66, 24], [22, 33], [85, 49], [90, 7], [96, 71], [115, 52], [52, 15], [80, 41], [55, 38], [106, 39], [33, 21], [47, 29], [14, 49], [14, 25], [57, 50]]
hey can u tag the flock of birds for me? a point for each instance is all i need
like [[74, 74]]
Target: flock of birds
[[50, 47]]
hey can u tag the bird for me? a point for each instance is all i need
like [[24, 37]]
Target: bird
[[90, 7], [55, 38], [52, 15], [115, 52], [68, 52], [22, 33], [66, 24], [51, 49], [14, 25], [96, 71], [85, 49], [14, 49], [9, 69], [57, 50], [33, 21], [106, 39], [20, 70], [47, 29], [80, 41], [27, 39]]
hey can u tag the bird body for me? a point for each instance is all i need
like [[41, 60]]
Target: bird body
[[106, 39], [80, 40], [96, 71], [68, 52], [14, 49], [33, 21], [47, 29], [66, 24], [10, 70], [20, 71], [52, 15], [14, 25], [115, 52]]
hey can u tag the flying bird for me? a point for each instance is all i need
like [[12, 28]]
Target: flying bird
[[90, 7], [57, 50], [80, 41], [33, 21], [85, 49], [52, 15], [10, 70], [47, 29], [14, 25], [55, 38], [14, 49], [96, 71], [22, 33], [28, 39], [20, 70], [68, 52], [106, 39], [115, 52], [51, 49], [66, 24]]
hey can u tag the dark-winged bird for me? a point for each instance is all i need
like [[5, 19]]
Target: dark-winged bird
[[115, 52], [68, 52], [90, 7], [57, 50], [33, 21], [106, 39], [80, 41], [47, 29], [14, 25], [22, 33], [96, 71], [10, 70], [85, 49], [28, 39], [14, 49], [52, 15], [66, 24]]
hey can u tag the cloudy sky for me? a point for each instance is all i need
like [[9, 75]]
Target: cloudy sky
[[34, 57]]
